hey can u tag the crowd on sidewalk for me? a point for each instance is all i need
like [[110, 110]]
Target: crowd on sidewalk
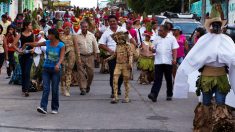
[[46, 50]]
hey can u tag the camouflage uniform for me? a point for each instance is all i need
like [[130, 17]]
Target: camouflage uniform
[[124, 61], [68, 64]]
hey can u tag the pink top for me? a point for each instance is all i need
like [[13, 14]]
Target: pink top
[[133, 33], [181, 41]]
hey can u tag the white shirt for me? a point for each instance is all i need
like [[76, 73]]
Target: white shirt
[[103, 28], [45, 29], [164, 47], [142, 29], [107, 40]]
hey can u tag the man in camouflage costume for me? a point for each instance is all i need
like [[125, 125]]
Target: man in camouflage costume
[[124, 59]]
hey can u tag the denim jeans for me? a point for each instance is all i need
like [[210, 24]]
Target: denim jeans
[[219, 97], [26, 62], [51, 78], [180, 60]]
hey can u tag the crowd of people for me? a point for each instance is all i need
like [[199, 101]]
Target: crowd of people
[[44, 50]]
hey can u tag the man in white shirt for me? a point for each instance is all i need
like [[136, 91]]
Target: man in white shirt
[[107, 43], [44, 27], [165, 49]]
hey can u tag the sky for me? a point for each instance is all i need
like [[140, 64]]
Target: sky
[[84, 3], [88, 3]]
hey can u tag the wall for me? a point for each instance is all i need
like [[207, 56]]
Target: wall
[[231, 12], [196, 7]]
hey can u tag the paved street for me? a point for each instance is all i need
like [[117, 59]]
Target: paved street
[[93, 112]]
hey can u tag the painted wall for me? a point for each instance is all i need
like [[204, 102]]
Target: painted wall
[[231, 12], [196, 7]]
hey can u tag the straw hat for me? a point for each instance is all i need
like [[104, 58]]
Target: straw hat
[[214, 17]]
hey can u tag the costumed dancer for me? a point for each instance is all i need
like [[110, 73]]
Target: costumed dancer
[[69, 60], [146, 60], [38, 59], [214, 55], [124, 62]]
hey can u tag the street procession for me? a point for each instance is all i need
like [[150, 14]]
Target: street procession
[[98, 65]]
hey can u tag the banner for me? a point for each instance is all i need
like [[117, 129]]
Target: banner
[[61, 3], [231, 12]]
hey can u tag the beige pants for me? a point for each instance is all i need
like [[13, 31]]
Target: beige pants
[[86, 71], [121, 69], [67, 69]]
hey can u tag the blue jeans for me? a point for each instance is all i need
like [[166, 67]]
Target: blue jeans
[[219, 97], [180, 60], [51, 78]]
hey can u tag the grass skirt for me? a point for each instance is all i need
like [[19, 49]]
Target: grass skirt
[[146, 63]]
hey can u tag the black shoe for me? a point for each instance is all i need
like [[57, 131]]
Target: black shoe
[[152, 97], [114, 101], [26, 94], [119, 92], [83, 93], [8, 77], [169, 98], [88, 89], [112, 96]]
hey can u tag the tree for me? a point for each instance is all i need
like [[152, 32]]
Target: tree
[[154, 6], [6, 1]]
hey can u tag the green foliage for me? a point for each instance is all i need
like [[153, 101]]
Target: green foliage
[[154, 6], [6, 1]]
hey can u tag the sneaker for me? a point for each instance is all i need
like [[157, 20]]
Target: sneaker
[[54, 112], [8, 77], [41, 110]]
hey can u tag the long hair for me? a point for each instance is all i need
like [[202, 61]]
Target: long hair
[[9, 27], [54, 32], [25, 24]]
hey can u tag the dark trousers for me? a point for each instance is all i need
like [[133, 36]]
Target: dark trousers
[[2, 58], [25, 63], [11, 60], [158, 75], [112, 64]]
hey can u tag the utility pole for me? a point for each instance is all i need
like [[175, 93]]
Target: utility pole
[[182, 6], [203, 11]]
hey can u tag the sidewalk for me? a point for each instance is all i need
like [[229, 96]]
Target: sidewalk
[[93, 112]]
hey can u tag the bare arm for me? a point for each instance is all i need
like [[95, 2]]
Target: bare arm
[[132, 40], [186, 46], [105, 48], [152, 49], [62, 53], [5, 47], [15, 43], [35, 44], [174, 55]]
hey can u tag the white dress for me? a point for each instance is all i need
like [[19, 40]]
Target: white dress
[[215, 49]]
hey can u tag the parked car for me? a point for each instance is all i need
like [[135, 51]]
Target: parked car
[[188, 26], [230, 31]]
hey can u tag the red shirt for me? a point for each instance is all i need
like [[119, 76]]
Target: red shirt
[[10, 40]]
